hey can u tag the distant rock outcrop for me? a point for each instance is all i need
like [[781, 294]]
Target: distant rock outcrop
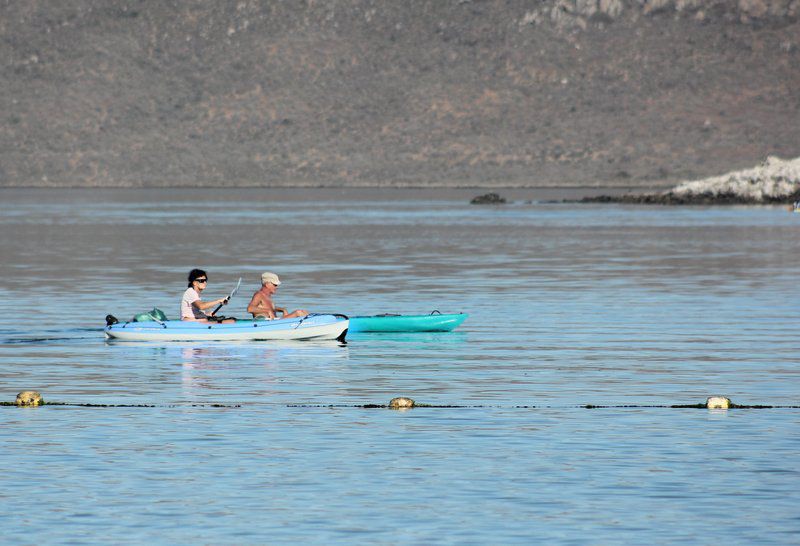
[[488, 199], [774, 181], [469, 93]]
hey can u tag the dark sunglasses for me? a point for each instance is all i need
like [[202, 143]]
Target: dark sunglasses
[[201, 280]]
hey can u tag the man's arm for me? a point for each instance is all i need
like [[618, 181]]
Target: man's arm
[[255, 304], [260, 305]]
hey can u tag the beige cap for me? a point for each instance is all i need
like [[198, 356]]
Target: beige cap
[[268, 276]]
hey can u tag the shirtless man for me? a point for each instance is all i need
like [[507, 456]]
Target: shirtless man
[[261, 305]]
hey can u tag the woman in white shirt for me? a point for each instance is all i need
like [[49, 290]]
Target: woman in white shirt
[[192, 307]]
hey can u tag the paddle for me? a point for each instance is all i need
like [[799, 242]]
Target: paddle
[[155, 318], [233, 293]]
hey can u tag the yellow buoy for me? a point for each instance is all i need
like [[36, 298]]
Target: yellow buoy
[[718, 402], [401, 402], [29, 398]]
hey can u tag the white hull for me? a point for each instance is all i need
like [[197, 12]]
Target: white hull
[[318, 327]]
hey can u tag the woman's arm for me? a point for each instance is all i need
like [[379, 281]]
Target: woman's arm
[[203, 305]]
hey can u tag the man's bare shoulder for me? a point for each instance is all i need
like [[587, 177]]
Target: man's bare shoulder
[[261, 297]]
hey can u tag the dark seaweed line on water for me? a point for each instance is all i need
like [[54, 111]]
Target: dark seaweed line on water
[[86, 405], [430, 406]]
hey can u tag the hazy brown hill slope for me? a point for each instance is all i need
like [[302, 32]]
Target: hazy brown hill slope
[[348, 92]]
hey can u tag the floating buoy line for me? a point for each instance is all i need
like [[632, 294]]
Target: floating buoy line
[[30, 399]]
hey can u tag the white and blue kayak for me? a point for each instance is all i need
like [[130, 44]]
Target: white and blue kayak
[[314, 326]]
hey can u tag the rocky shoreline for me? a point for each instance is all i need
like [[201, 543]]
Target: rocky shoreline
[[774, 182]]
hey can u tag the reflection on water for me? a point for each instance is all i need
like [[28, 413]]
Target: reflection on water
[[568, 306], [258, 366], [195, 361], [431, 339]]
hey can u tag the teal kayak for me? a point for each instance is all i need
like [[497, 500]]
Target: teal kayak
[[435, 322]]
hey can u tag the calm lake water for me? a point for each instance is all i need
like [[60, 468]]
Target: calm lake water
[[569, 305]]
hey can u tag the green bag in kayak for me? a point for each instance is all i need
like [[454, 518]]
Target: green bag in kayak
[[151, 316]]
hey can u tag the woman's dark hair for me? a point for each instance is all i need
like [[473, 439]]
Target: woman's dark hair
[[196, 274]]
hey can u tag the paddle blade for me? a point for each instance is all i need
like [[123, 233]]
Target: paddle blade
[[235, 290], [233, 293]]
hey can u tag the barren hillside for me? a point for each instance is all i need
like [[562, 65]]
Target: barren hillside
[[379, 92]]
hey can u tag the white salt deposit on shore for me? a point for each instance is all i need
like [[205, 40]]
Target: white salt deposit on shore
[[774, 178]]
